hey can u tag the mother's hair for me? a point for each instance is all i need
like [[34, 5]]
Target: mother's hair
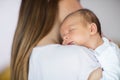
[[36, 19]]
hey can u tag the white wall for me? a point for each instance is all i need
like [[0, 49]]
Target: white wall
[[8, 19], [108, 11]]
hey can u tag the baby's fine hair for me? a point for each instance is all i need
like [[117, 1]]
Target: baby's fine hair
[[88, 16]]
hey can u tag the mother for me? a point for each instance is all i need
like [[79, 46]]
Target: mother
[[38, 25]]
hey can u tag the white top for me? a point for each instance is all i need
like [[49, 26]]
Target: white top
[[57, 62], [108, 55]]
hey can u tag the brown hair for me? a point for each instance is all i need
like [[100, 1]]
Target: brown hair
[[36, 19], [88, 16]]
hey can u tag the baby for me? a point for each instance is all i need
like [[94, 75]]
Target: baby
[[83, 28]]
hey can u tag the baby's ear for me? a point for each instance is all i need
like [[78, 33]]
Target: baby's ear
[[93, 28]]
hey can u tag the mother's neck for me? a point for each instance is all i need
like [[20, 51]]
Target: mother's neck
[[52, 37]]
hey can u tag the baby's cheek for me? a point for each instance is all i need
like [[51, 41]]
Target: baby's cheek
[[75, 38]]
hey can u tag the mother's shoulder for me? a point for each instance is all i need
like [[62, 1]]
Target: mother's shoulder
[[73, 47]]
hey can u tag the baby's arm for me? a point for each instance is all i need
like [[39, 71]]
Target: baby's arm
[[111, 68], [110, 62]]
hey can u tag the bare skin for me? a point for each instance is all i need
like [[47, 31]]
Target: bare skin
[[96, 75]]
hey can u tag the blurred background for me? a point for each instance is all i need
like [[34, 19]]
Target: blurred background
[[107, 11], [9, 10]]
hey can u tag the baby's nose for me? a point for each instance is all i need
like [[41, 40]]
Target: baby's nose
[[66, 37], [65, 40]]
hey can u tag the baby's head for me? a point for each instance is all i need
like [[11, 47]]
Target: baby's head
[[79, 27]]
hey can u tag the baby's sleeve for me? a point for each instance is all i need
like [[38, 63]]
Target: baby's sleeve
[[87, 63]]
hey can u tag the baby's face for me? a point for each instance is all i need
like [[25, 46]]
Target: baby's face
[[73, 31]]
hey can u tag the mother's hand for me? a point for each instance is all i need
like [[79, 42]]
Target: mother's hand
[[96, 74]]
